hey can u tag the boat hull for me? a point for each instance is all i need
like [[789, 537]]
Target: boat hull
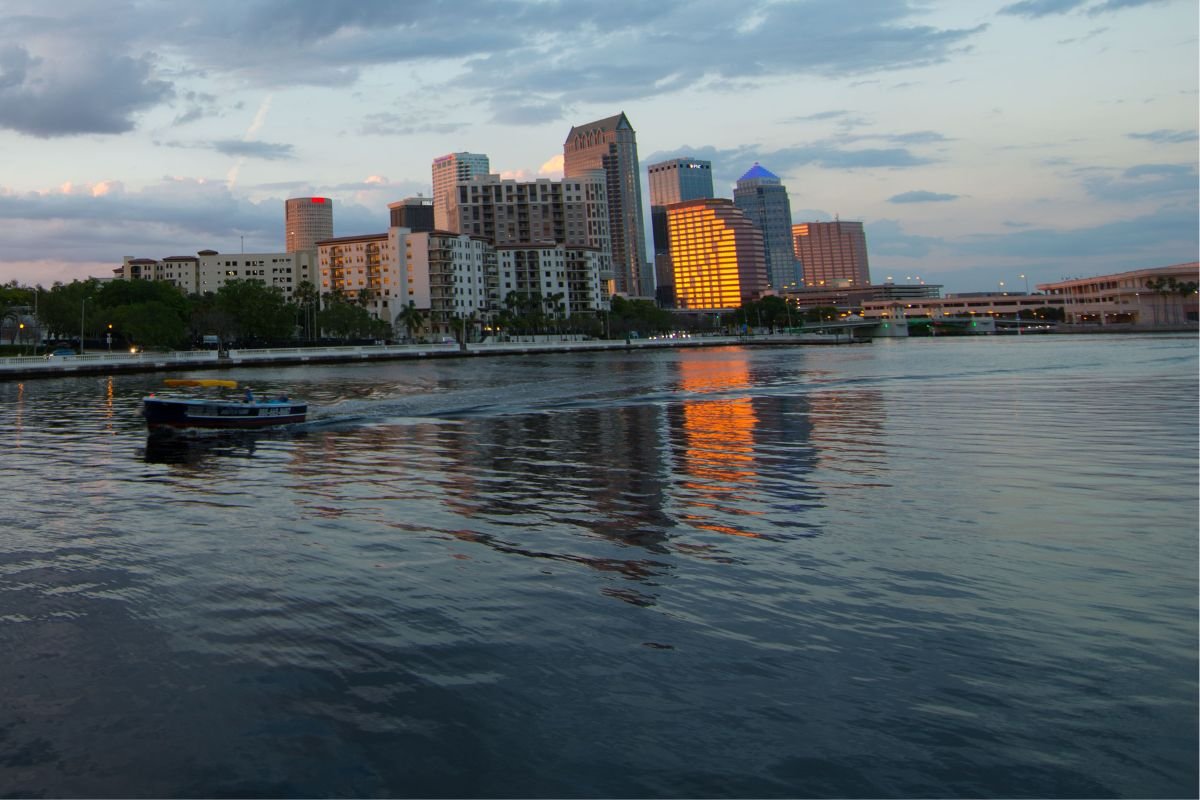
[[165, 413]]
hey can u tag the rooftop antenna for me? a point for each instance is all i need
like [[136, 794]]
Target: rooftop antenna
[[243, 245]]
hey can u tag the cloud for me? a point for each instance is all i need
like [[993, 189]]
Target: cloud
[[386, 123], [85, 91], [1034, 9], [103, 222], [62, 68], [553, 168], [922, 197], [1041, 8], [1144, 181], [268, 151], [1163, 136], [729, 164]]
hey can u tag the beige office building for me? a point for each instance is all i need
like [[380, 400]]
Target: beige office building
[[610, 146]]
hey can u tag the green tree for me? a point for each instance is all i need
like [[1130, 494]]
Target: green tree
[[412, 318], [147, 313], [307, 300], [257, 312], [343, 319]]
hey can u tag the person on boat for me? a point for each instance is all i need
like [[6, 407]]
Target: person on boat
[[249, 398]]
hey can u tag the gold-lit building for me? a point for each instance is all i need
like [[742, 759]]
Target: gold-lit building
[[717, 255]]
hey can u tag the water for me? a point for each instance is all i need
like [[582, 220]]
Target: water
[[925, 568]]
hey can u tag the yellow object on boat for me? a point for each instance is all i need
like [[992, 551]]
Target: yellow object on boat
[[201, 382]]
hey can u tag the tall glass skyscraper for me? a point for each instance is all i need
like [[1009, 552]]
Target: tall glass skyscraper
[[448, 170], [611, 145], [763, 197], [673, 181]]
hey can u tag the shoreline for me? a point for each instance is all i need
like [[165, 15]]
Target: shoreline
[[24, 367]]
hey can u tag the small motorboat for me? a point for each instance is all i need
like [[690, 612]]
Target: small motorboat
[[196, 411]]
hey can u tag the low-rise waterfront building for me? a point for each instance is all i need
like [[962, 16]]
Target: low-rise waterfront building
[[1154, 296], [1009, 305], [209, 270]]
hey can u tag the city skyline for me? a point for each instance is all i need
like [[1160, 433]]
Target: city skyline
[[975, 141]]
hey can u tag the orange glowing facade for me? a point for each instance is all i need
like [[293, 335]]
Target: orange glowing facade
[[717, 255]]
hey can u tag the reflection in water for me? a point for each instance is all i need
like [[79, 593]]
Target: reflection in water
[[718, 443], [194, 450]]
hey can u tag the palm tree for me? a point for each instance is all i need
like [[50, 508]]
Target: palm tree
[[412, 318], [554, 304], [308, 301]]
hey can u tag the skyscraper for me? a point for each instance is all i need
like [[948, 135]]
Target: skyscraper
[[307, 220], [448, 170], [832, 253], [763, 197], [611, 145], [673, 181], [716, 254]]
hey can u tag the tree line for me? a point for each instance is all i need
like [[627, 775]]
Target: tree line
[[156, 315]]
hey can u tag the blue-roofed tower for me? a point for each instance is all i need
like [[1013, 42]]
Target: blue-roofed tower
[[764, 199]]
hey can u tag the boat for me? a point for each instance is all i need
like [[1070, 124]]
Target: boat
[[166, 412]]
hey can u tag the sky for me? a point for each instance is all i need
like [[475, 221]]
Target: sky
[[981, 142]]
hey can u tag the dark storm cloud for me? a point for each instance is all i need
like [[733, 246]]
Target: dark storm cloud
[[921, 196]]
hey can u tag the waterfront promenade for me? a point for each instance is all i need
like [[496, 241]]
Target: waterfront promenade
[[93, 363]]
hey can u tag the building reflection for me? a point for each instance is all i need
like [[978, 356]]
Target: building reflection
[[736, 457]]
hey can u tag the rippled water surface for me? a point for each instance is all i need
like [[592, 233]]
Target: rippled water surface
[[936, 567]]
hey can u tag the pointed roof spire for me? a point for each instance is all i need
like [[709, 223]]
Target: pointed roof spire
[[758, 172]]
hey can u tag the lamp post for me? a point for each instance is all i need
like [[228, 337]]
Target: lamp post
[[82, 306]]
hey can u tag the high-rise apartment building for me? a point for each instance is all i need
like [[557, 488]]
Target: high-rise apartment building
[[763, 197], [716, 254], [566, 278], [414, 213], [307, 220], [674, 181], [832, 253], [611, 145], [448, 171], [573, 211]]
